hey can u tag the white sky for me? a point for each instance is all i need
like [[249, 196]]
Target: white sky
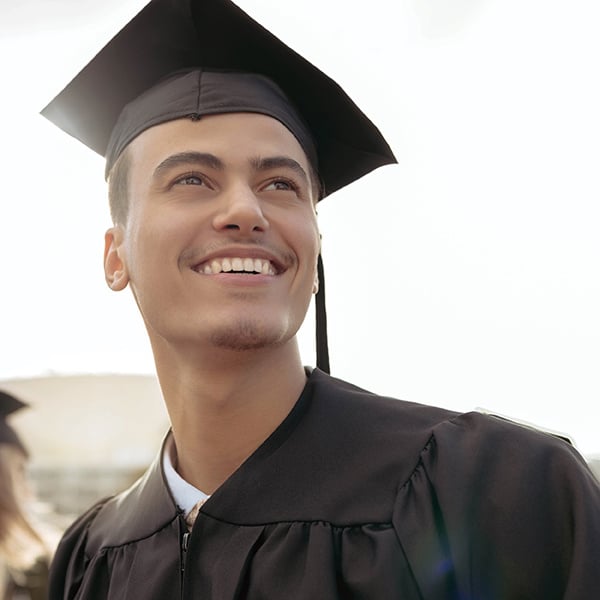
[[466, 276]]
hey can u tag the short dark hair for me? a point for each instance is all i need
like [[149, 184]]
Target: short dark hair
[[118, 192]]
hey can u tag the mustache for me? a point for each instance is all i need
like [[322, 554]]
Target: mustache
[[197, 254]]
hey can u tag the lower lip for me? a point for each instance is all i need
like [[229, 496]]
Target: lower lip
[[239, 279]]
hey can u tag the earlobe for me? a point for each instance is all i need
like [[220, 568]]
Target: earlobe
[[115, 270], [316, 285]]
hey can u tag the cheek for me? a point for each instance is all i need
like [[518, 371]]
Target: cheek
[[157, 240], [307, 232], [308, 253], [314, 239]]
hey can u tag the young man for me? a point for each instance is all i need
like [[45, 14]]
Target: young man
[[278, 481]]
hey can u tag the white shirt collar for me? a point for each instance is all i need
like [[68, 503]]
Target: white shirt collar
[[186, 496]]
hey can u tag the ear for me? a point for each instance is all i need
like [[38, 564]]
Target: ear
[[115, 269], [316, 284]]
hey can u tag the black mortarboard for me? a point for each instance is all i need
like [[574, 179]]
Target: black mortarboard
[[168, 36], [8, 405]]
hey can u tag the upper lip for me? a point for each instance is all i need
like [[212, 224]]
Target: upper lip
[[278, 262]]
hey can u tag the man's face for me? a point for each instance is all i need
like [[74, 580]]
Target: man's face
[[221, 241]]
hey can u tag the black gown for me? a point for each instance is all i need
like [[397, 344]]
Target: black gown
[[356, 496]]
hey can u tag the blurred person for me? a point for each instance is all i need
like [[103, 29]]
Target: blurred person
[[279, 481], [24, 555]]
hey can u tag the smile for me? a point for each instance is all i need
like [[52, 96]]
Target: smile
[[252, 266]]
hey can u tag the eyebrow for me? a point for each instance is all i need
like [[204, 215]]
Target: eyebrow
[[204, 159], [278, 162]]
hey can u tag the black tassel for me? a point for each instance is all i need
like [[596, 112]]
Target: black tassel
[[322, 346]]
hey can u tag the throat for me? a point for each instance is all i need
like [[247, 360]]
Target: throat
[[217, 425]]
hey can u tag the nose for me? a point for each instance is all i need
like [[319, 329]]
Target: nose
[[240, 210]]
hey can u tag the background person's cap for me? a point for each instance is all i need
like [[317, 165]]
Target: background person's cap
[[8, 405]]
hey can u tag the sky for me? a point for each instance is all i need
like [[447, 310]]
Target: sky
[[466, 276]]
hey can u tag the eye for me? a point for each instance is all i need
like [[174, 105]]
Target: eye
[[281, 185], [190, 179]]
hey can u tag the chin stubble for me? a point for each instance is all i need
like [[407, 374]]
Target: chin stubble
[[243, 336]]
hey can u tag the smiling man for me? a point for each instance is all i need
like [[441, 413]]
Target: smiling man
[[220, 251], [278, 481]]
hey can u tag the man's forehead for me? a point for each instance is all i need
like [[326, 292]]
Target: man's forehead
[[218, 140]]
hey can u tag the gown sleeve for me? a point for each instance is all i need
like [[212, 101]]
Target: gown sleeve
[[498, 511], [70, 561]]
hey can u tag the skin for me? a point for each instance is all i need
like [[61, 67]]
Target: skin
[[224, 345]]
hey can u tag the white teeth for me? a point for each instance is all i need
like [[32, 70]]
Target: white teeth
[[248, 265]]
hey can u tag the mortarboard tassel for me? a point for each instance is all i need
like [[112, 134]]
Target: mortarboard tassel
[[321, 313]]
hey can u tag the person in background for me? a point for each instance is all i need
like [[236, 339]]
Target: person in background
[[280, 482], [24, 555]]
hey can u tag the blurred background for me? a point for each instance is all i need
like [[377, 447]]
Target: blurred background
[[88, 436], [466, 276]]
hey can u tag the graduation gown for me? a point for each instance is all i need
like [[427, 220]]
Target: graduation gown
[[356, 496]]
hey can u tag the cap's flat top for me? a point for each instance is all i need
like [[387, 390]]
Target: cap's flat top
[[170, 35]]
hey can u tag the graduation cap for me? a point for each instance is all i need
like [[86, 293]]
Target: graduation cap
[[8, 405], [211, 37]]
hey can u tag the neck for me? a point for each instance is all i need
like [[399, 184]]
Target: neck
[[224, 404]]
